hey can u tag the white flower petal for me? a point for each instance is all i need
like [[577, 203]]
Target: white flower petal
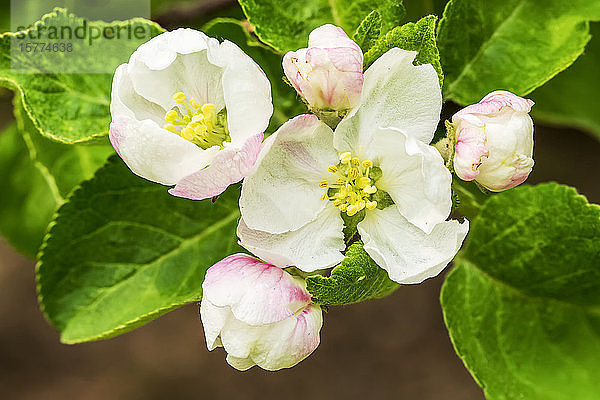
[[257, 293], [126, 102], [246, 90], [284, 194], [404, 251], [155, 153], [414, 175], [213, 321], [317, 245], [395, 94], [229, 166]]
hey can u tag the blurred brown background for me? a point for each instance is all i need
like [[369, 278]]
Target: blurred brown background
[[393, 348]]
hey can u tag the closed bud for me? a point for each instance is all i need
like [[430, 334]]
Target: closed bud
[[328, 74], [494, 141]]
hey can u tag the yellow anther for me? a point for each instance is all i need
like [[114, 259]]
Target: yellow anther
[[371, 205], [179, 97], [363, 182], [370, 189], [187, 133], [171, 116], [361, 204], [343, 207], [324, 196], [340, 181], [352, 210], [367, 163], [207, 108], [323, 184], [352, 173], [170, 128], [345, 157], [194, 103], [343, 192], [337, 203], [355, 161], [198, 118], [332, 168]]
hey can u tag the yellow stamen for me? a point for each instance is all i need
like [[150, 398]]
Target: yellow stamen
[[367, 163], [179, 97], [355, 161], [345, 158], [371, 205], [323, 184], [370, 189], [324, 196], [332, 168]]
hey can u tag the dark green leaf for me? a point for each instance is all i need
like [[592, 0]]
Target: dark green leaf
[[419, 36], [356, 279], [122, 251], [514, 45], [570, 99], [523, 303], [285, 24]]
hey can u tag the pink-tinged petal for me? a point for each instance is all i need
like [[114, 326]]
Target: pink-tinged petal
[[294, 248], [257, 293], [470, 150], [328, 74], [229, 166], [495, 102], [283, 194], [155, 153], [408, 254]]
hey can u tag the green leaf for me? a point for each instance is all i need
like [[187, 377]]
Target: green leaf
[[285, 24], [286, 103], [514, 45], [419, 36], [37, 174], [368, 31], [67, 107], [523, 304], [416, 9], [122, 252], [356, 279], [570, 99], [470, 198]]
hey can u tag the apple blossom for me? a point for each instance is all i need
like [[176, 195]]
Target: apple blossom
[[189, 111], [329, 73], [376, 168], [494, 141], [259, 313]]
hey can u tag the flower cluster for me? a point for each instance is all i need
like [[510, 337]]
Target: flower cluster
[[190, 112]]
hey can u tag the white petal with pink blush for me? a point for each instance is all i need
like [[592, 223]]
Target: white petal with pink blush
[[494, 141], [259, 314], [190, 111]]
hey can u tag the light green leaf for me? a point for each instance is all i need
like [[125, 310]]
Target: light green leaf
[[419, 36], [356, 279], [515, 45], [523, 303], [122, 252], [68, 107], [286, 103], [570, 99], [37, 174], [285, 24], [368, 31]]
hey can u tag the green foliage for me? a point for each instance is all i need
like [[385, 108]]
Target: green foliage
[[286, 103], [469, 198], [368, 31], [66, 107], [356, 279], [523, 304], [416, 9], [122, 251], [514, 45], [37, 174], [570, 99], [285, 24], [419, 36]]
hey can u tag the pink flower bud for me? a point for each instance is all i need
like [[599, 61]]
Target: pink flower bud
[[328, 74], [259, 313], [494, 141]]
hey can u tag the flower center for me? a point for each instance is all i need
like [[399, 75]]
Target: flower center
[[353, 187], [199, 124]]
